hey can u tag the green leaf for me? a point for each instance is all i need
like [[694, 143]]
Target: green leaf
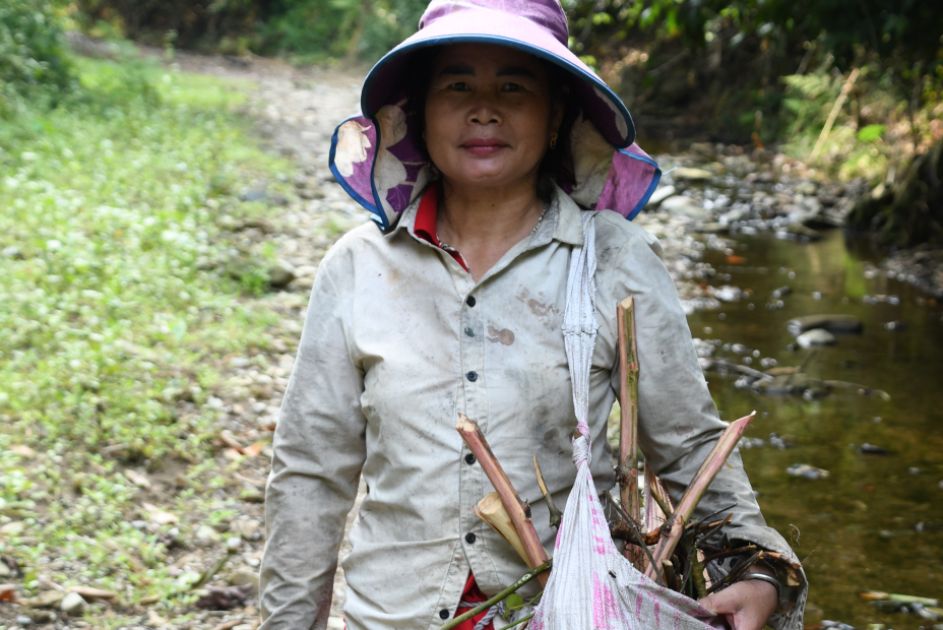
[[514, 602], [601, 19], [870, 133]]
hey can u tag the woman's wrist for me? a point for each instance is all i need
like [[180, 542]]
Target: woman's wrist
[[763, 576]]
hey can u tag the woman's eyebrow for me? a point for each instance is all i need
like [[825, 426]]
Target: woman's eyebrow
[[457, 68], [516, 71]]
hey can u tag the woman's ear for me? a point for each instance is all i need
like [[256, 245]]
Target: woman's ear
[[558, 106]]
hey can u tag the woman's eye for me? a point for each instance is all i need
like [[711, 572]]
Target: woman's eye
[[512, 87], [458, 86]]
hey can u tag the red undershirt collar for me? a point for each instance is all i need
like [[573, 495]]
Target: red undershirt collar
[[425, 226]]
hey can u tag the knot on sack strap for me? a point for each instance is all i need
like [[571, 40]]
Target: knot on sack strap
[[581, 452]]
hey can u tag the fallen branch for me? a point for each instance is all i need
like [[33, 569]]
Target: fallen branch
[[689, 500], [518, 511], [536, 572], [877, 596], [833, 114]]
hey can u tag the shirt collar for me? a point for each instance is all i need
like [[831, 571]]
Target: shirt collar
[[561, 223]]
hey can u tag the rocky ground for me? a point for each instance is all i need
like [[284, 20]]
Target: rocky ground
[[708, 193], [296, 110]]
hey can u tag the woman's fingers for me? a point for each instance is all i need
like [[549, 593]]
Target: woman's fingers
[[745, 605]]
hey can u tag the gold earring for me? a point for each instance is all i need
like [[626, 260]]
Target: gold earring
[[553, 140]]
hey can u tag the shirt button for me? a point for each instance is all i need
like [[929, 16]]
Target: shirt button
[[469, 538], [469, 332], [472, 376], [469, 459], [444, 613], [470, 300]]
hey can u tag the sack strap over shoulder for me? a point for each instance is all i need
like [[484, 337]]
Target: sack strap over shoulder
[[579, 328]]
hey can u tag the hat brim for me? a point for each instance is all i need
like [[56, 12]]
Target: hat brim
[[385, 81]]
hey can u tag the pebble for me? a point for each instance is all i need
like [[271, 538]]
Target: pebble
[[691, 174], [661, 193], [778, 442], [872, 449], [281, 274], [806, 471], [727, 293], [816, 337], [206, 536], [685, 206], [72, 604]]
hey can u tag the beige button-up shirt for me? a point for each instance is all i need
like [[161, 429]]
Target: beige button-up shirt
[[399, 340]]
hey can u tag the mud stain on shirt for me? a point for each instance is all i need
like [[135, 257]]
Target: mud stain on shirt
[[503, 336]]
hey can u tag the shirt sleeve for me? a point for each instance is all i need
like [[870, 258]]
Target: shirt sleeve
[[678, 421], [318, 453]]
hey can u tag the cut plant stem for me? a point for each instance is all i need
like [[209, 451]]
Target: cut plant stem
[[628, 420], [536, 572], [689, 500], [555, 515], [658, 494], [535, 554], [491, 510]]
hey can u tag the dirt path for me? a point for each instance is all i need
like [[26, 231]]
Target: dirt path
[[297, 110]]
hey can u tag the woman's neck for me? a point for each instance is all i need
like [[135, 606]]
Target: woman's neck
[[484, 224]]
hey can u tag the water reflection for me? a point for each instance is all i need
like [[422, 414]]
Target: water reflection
[[876, 522]]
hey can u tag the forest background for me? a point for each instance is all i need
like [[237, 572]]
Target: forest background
[[748, 72], [129, 295]]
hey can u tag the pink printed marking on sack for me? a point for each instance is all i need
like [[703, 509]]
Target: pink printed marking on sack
[[600, 547], [605, 609]]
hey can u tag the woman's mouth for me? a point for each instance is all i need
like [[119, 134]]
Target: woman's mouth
[[483, 147]]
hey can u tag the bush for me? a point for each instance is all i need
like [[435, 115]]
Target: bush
[[310, 28], [362, 29], [32, 57]]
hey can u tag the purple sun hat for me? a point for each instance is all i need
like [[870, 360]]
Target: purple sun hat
[[379, 157]]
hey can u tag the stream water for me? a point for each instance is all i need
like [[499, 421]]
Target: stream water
[[875, 522]]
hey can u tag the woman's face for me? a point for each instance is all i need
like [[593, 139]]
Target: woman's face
[[489, 115]]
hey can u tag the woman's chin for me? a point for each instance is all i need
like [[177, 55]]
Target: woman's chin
[[490, 178]]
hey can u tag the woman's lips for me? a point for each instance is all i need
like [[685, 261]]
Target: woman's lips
[[483, 147]]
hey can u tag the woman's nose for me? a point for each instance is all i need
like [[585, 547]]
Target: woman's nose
[[484, 112]]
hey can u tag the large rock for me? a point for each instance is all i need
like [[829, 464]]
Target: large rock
[[910, 212], [831, 323]]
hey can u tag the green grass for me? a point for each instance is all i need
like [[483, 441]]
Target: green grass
[[119, 301]]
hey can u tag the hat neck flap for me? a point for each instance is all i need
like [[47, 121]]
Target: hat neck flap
[[381, 162]]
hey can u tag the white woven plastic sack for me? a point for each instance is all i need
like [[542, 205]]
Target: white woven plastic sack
[[592, 586]]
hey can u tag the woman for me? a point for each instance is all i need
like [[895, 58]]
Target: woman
[[473, 129]]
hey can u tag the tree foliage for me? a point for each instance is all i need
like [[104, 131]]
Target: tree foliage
[[32, 58], [319, 28], [725, 62]]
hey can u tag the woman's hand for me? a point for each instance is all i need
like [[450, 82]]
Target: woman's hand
[[744, 605]]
